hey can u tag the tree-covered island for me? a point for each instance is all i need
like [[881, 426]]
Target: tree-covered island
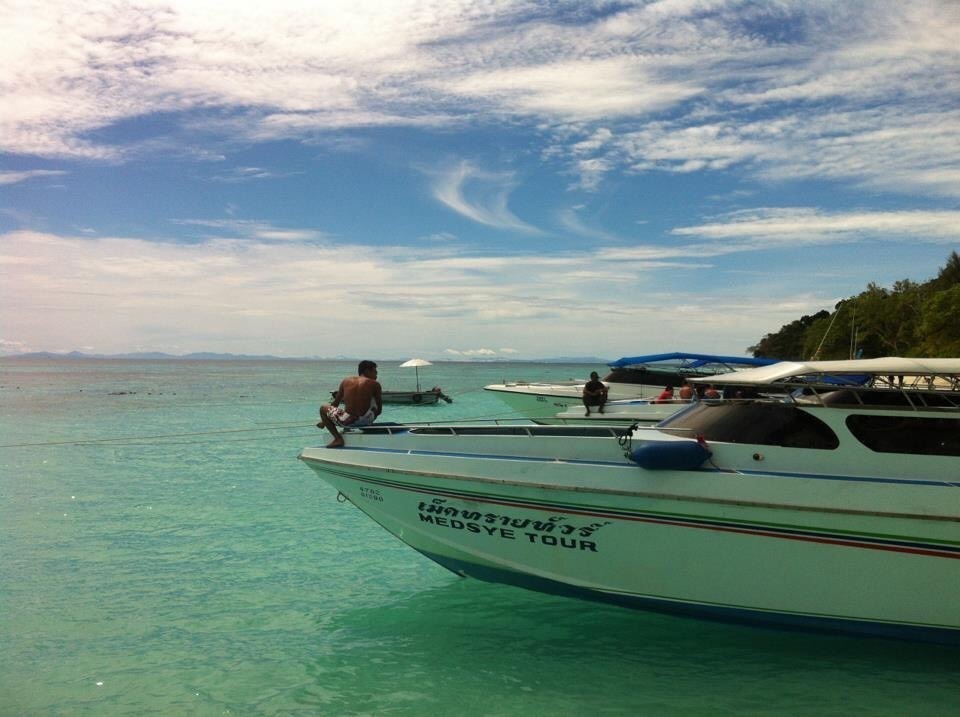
[[909, 319]]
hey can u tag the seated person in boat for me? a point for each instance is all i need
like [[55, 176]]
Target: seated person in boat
[[594, 393], [362, 398], [711, 392], [686, 391], [666, 396]]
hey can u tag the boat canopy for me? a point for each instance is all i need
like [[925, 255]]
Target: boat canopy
[[689, 361], [853, 372]]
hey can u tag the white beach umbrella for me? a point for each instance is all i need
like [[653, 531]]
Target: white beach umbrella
[[416, 363]]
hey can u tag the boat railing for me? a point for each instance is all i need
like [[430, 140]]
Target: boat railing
[[493, 429]]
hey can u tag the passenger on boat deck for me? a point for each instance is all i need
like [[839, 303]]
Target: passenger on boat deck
[[666, 396], [594, 393], [686, 391], [362, 398], [711, 392]]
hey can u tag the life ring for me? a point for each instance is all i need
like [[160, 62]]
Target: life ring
[[417, 398]]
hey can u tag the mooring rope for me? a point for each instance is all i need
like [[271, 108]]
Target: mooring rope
[[160, 436], [164, 437]]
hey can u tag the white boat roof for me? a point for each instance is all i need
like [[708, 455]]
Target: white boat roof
[[816, 371]]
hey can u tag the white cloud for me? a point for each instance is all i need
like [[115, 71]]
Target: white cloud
[[8, 348], [251, 295], [788, 226], [866, 98], [480, 196], [237, 175], [247, 228], [234, 295], [72, 67], [878, 148], [571, 221], [439, 237], [593, 89], [864, 92], [12, 177], [471, 353]]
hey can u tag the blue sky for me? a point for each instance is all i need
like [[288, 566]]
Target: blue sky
[[465, 179]]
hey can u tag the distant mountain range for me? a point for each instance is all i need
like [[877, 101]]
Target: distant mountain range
[[149, 355], [209, 356]]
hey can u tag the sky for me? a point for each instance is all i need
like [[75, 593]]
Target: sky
[[465, 179]]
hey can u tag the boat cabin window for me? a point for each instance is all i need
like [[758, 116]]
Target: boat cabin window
[[639, 376], [767, 424], [880, 398], [907, 434]]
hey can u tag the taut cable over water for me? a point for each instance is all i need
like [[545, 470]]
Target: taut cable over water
[[125, 440]]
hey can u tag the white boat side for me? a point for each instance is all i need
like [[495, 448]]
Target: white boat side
[[545, 400], [623, 412]]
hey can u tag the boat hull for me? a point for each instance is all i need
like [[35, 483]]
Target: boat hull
[[411, 398], [649, 541]]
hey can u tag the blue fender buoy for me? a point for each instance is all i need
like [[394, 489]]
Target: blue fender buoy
[[667, 455]]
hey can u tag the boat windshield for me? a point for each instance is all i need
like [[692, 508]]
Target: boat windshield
[[765, 423]]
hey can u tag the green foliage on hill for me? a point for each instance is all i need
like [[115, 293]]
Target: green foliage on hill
[[909, 319]]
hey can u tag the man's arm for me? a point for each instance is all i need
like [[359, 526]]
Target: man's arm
[[378, 397], [338, 396]]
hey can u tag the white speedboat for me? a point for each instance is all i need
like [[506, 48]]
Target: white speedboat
[[631, 377], [837, 509]]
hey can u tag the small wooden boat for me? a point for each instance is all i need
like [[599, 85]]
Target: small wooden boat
[[415, 397]]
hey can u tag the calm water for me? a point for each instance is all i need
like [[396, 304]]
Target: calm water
[[162, 551]]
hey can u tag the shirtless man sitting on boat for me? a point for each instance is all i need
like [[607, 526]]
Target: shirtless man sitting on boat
[[362, 399]]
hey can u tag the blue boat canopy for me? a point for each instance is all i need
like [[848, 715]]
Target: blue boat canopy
[[690, 361]]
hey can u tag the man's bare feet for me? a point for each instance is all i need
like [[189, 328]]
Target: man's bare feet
[[335, 443]]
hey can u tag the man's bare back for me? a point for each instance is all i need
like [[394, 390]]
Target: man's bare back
[[359, 394], [362, 398]]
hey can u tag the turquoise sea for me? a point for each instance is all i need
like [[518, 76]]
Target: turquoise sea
[[163, 552]]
